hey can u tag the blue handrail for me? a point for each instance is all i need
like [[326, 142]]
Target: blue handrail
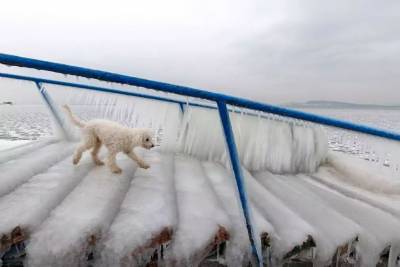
[[101, 89], [188, 91], [49, 104], [181, 104]]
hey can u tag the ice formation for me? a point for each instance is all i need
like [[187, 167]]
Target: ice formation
[[291, 230], [200, 213], [361, 174], [15, 152], [327, 235], [17, 171], [225, 188], [148, 210], [377, 226], [83, 217], [31, 203], [263, 143]]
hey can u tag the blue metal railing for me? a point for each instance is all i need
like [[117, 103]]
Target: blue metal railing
[[222, 101], [237, 170], [101, 89], [12, 60], [181, 103], [47, 99]]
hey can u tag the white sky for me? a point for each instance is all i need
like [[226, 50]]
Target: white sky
[[274, 51]]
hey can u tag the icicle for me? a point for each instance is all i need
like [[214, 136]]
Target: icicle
[[262, 143]]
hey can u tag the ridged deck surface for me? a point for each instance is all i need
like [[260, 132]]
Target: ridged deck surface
[[180, 211]]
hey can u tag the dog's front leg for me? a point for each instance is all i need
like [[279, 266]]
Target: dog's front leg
[[111, 162], [139, 161]]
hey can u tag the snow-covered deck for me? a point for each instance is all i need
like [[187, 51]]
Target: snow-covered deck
[[182, 211]]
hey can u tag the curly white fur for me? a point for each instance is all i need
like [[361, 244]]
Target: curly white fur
[[115, 137]]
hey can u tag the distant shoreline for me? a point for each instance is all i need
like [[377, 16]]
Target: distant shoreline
[[340, 105], [10, 103], [295, 105]]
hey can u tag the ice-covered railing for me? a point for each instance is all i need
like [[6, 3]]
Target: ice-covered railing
[[264, 141], [221, 103]]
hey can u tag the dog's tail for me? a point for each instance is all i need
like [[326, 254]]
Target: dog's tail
[[75, 120]]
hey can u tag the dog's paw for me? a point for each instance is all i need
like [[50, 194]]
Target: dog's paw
[[116, 170], [98, 162], [144, 165]]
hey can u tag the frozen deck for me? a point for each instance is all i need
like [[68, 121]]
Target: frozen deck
[[182, 211]]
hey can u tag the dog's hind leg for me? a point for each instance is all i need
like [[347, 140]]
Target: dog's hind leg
[[95, 153], [111, 162], [86, 144], [78, 152]]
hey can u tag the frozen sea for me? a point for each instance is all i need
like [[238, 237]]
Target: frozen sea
[[20, 124]]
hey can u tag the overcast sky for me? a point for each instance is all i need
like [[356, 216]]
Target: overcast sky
[[275, 51]]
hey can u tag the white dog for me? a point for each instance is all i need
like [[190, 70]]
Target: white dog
[[115, 137]]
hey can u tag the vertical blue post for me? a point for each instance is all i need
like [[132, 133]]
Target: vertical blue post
[[182, 108], [54, 112], [233, 154]]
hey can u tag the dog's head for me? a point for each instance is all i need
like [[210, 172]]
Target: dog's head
[[147, 139]]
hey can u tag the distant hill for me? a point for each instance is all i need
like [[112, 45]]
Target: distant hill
[[338, 105], [6, 103]]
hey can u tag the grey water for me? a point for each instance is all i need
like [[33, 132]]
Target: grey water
[[24, 122]]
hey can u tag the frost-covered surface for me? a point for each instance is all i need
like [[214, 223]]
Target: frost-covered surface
[[225, 188], [263, 143], [359, 173], [60, 206], [10, 144], [335, 180], [291, 230], [17, 171], [31, 203], [377, 226], [148, 209], [200, 213], [88, 210], [21, 147], [331, 228]]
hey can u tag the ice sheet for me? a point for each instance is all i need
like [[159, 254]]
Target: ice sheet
[[200, 212], [31, 203], [290, 228], [335, 180], [378, 226], [88, 210], [330, 232], [148, 208], [18, 151], [15, 172], [364, 175], [223, 183]]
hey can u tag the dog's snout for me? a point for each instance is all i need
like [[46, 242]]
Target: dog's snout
[[152, 145]]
